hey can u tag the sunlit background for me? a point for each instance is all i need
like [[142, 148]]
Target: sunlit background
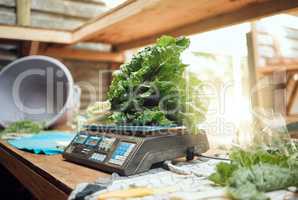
[[220, 58]]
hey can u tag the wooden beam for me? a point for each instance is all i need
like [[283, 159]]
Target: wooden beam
[[75, 9], [68, 53], [35, 34], [293, 12], [275, 68], [251, 10], [23, 12], [99, 2], [140, 22]]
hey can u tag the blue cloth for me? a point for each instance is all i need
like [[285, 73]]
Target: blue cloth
[[47, 142]]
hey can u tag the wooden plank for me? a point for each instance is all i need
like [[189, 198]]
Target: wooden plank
[[282, 61], [34, 182], [68, 8], [244, 14], [60, 173], [293, 12], [278, 67], [99, 2], [93, 46], [35, 34], [7, 16], [139, 22], [54, 21], [8, 3], [68, 53], [11, 3], [23, 12]]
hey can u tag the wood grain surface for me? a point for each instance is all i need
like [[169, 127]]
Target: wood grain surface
[[44, 175]]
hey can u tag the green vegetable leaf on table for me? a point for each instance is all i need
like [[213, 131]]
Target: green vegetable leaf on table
[[20, 127], [255, 171]]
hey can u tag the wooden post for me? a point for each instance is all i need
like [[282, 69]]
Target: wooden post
[[23, 12], [252, 70], [280, 80], [292, 90], [34, 48], [264, 98]]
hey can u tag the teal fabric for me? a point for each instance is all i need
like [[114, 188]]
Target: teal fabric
[[43, 143]]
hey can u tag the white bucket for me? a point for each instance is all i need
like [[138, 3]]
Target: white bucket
[[36, 88]]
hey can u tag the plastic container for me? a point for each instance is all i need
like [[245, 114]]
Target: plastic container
[[36, 88]]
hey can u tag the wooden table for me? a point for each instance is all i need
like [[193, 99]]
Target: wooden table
[[47, 177]]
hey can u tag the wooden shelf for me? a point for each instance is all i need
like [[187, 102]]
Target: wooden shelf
[[140, 22], [88, 55], [35, 34]]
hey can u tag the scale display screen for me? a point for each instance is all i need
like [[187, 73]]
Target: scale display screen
[[106, 144], [80, 139], [121, 153], [93, 140]]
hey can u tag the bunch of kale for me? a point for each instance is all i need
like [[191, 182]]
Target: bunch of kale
[[255, 171], [151, 89]]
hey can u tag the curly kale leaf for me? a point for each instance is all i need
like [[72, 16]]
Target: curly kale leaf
[[253, 172], [248, 158], [151, 88], [223, 173], [250, 183], [25, 126]]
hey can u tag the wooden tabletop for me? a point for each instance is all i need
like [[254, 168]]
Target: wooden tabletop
[[46, 175]]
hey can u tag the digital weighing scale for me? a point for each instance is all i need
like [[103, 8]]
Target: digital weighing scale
[[129, 150]]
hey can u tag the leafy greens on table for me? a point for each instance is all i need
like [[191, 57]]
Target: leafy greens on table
[[151, 89], [25, 126], [255, 171]]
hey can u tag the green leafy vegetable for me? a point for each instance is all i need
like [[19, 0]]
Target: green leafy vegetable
[[25, 126], [223, 172], [253, 172], [251, 183], [151, 88]]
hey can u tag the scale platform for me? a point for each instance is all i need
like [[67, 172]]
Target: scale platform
[[130, 150]]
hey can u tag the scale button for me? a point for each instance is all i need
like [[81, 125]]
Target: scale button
[[98, 157]]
